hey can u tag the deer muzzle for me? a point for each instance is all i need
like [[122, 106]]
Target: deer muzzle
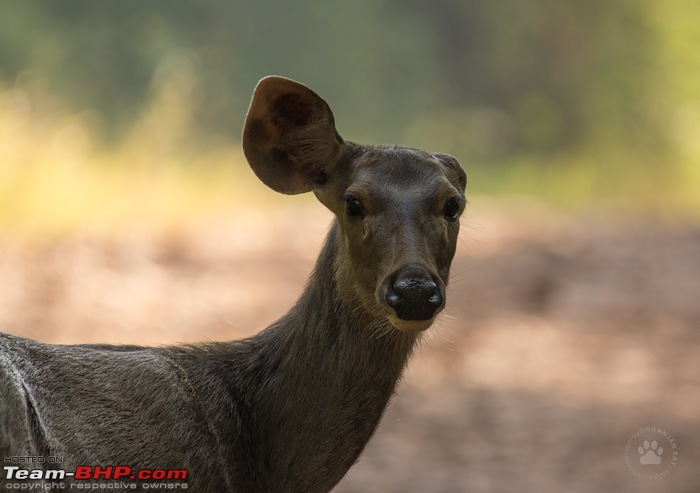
[[413, 297]]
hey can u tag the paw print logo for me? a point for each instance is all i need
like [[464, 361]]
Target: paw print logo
[[656, 451], [650, 453]]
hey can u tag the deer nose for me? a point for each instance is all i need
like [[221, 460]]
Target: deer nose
[[414, 295]]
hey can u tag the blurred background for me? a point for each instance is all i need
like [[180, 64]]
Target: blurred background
[[128, 214]]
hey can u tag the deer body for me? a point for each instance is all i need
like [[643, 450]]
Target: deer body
[[290, 409]]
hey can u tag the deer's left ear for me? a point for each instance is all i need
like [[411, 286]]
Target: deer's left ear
[[455, 172], [289, 136]]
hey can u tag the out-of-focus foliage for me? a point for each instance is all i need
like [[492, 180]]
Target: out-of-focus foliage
[[565, 99]]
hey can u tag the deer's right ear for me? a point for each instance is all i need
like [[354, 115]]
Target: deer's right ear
[[289, 136]]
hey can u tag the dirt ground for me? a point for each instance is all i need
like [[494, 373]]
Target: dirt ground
[[568, 343]]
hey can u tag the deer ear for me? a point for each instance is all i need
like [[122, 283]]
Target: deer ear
[[455, 171], [289, 136]]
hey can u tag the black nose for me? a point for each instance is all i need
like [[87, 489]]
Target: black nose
[[414, 295]]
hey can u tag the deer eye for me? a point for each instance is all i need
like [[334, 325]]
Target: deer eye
[[452, 208], [353, 206]]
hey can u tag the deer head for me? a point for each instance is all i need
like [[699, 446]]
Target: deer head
[[397, 208]]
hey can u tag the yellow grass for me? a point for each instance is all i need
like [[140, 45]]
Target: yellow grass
[[55, 176]]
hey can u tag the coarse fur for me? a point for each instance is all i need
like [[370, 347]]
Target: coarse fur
[[290, 409]]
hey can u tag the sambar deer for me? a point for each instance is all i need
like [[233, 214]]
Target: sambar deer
[[290, 409]]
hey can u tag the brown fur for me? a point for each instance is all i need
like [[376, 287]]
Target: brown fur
[[290, 409]]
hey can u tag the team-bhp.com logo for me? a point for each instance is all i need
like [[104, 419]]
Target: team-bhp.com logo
[[85, 477], [651, 453]]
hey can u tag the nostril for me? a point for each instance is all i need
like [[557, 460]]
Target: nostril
[[436, 297], [392, 297]]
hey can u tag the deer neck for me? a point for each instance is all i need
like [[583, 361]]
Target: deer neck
[[335, 369], [335, 332]]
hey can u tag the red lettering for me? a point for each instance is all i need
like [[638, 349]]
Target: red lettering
[[177, 474], [106, 473], [121, 472], [83, 472]]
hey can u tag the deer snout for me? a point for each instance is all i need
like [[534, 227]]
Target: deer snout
[[413, 294]]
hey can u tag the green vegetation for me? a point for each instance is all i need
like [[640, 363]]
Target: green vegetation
[[120, 111]]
